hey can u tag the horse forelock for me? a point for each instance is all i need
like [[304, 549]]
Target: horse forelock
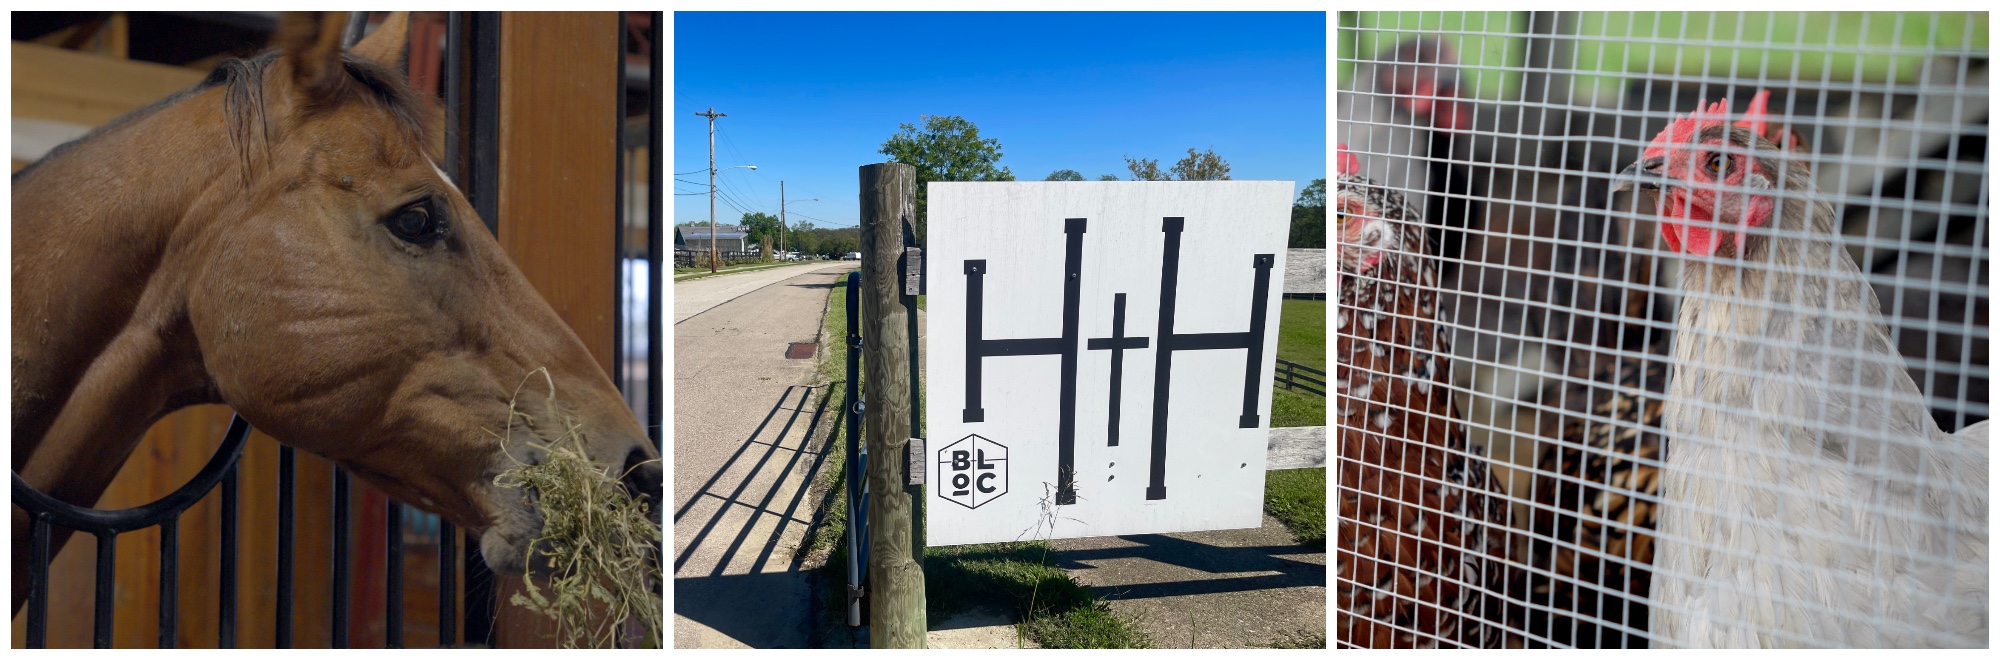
[[377, 83]]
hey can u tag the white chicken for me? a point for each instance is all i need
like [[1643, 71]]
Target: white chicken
[[1809, 497]]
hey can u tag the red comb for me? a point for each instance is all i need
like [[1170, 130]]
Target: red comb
[[1754, 118], [1345, 163], [1683, 129]]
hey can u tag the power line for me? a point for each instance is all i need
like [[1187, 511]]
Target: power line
[[832, 226]]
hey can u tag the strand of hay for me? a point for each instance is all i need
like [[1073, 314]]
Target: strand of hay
[[599, 542]]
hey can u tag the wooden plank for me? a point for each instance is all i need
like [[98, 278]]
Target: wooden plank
[[88, 89], [559, 98], [1296, 448]]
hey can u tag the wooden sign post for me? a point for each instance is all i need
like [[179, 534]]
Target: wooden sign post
[[896, 580]]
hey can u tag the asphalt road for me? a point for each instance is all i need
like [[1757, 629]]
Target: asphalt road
[[700, 295], [742, 413]]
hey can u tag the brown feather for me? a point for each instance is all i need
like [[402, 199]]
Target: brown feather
[[1422, 540]]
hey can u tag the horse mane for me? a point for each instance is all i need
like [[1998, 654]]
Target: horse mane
[[242, 80]]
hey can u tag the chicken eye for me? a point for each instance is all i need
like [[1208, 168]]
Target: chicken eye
[[1716, 163], [417, 225]]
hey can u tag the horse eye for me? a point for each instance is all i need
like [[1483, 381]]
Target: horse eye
[[416, 225]]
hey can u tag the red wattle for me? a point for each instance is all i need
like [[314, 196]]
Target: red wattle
[[1695, 235], [1700, 240]]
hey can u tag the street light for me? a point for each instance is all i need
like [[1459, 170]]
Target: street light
[[711, 198], [781, 213]]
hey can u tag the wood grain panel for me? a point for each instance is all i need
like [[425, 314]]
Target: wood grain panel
[[82, 88], [559, 98], [558, 157]]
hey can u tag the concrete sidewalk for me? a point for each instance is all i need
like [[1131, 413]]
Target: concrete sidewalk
[[1226, 589], [700, 295], [742, 464]]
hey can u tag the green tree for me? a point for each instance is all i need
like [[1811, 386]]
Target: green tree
[[1107, 177], [1145, 169], [836, 242], [802, 239], [1197, 166], [1202, 166], [1065, 175], [945, 148], [759, 225], [1309, 217]]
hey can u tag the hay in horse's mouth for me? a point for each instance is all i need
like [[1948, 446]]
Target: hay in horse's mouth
[[595, 548]]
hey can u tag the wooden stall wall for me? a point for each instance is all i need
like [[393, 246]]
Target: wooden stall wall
[[559, 114]]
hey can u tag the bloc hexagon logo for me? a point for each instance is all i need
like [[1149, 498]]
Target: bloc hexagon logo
[[972, 471]]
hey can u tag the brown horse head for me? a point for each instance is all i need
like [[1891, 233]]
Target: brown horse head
[[280, 239]]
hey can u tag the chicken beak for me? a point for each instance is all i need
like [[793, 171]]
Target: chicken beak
[[1643, 175]]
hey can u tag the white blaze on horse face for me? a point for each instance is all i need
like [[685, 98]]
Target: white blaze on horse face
[[446, 177]]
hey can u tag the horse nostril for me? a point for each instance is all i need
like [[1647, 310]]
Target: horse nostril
[[644, 476]]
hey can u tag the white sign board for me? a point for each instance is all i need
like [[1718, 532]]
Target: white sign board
[[1099, 356]]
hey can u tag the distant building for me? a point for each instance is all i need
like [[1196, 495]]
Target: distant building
[[728, 238]]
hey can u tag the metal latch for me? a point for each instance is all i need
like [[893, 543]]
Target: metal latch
[[915, 475], [913, 275]]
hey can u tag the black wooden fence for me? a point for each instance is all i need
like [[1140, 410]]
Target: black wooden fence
[[1294, 376]]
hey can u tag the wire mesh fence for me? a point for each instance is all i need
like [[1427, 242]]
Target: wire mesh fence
[[1662, 328]]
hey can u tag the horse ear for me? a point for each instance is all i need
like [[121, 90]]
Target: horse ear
[[389, 43], [310, 42]]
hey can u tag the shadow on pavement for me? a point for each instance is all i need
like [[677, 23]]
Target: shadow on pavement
[[1273, 570], [739, 602]]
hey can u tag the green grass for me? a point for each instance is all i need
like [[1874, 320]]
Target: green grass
[[1298, 497], [1302, 333], [831, 374], [1055, 610], [1301, 339]]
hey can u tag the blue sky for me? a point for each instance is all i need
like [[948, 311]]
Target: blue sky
[[812, 96]]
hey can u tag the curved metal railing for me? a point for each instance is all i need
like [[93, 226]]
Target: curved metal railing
[[45, 512]]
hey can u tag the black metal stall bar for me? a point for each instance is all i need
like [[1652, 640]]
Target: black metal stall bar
[[47, 511]]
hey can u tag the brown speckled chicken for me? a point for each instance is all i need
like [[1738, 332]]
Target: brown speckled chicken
[[1598, 490], [1422, 540]]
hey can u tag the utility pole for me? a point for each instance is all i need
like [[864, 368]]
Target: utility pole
[[896, 579], [781, 216], [711, 115]]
